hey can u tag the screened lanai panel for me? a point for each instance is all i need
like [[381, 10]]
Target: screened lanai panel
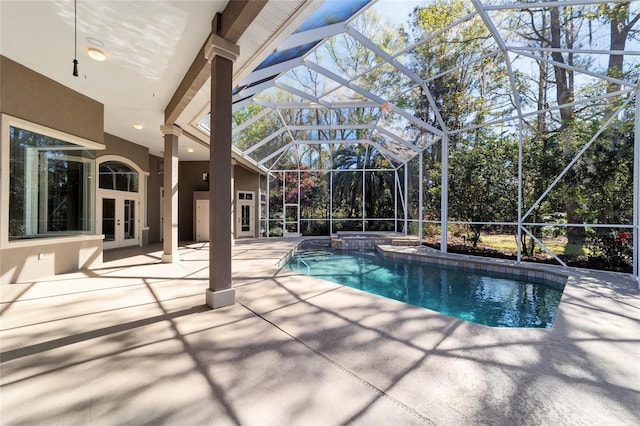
[[488, 95], [428, 37], [344, 94], [332, 12], [258, 133], [585, 27], [583, 83], [244, 116], [483, 175], [399, 128], [587, 167], [301, 156], [277, 96], [270, 149], [317, 156], [283, 56], [309, 35], [306, 115], [396, 152], [591, 66], [345, 56], [386, 81], [355, 115], [309, 81], [444, 48]]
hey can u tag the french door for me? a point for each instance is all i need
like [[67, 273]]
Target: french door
[[118, 220], [245, 220]]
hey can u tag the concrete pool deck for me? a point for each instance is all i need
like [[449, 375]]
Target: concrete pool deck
[[133, 343]]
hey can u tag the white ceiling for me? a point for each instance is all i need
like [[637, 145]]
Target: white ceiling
[[149, 47]]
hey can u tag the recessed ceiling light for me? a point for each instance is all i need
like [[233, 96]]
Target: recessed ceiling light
[[138, 126], [96, 54], [94, 41], [190, 149]]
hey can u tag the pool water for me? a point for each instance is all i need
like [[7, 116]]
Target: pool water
[[496, 300]]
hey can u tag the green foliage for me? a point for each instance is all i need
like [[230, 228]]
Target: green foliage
[[483, 181], [614, 248], [348, 184]]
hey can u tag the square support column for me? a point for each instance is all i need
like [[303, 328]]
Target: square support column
[[220, 292], [170, 182]]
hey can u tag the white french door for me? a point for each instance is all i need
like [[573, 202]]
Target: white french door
[[245, 219], [118, 220]]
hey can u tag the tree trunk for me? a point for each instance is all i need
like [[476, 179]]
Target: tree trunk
[[620, 29], [563, 89]]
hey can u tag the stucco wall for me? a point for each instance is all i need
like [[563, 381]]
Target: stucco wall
[[189, 180], [27, 263], [31, 96], [117, 146], [247, 180]]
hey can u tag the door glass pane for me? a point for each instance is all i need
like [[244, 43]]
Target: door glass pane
[[129, 219], [109, 219], [245, 218], [291, 213]]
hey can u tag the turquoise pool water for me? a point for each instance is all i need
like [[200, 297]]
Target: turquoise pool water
[[485, 298]]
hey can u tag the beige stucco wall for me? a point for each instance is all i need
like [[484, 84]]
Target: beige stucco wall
[[190, 181], [247, 180], [33, 97], [27, 263], [117, 146]]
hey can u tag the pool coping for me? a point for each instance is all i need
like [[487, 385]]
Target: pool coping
[[555, 275], [527, 270]]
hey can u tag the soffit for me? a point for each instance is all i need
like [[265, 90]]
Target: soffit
[[149, 47]]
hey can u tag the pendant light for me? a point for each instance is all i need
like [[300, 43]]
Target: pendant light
[[75, 39]]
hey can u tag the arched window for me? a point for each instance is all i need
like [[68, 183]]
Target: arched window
[[117, 176]]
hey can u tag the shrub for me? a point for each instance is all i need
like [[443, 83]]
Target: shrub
[[613, 248]]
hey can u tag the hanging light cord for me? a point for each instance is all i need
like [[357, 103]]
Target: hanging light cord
[[75, 39]]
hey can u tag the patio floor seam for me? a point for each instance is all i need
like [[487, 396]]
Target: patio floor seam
[[343, 368]]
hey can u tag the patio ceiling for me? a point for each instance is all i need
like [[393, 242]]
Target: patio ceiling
[[301, 94], [149, 47]]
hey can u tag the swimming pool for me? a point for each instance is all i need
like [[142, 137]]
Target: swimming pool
[[492, 299]]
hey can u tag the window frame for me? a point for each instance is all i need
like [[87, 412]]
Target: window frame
[[6, 122]]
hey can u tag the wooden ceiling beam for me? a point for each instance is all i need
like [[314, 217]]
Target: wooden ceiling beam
[[231, 24]]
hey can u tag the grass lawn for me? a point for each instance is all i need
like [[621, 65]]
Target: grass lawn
[[558, 245]]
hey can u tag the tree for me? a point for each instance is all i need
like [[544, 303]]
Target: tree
[[348, 187], [483, 182]]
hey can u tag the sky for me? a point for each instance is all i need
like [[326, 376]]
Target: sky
[[397, 11]]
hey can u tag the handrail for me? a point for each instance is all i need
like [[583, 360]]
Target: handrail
[[305, 264]]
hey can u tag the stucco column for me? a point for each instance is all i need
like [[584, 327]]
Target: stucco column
[[170, 181], [222, 54]]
